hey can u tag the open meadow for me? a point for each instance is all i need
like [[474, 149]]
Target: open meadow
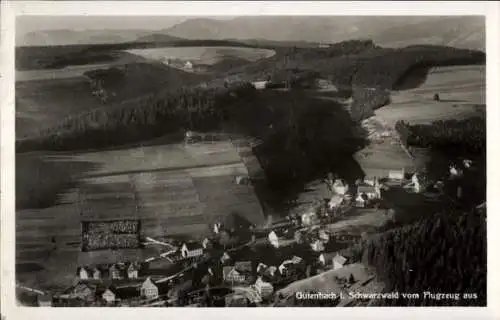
[[203, 55], [461, 89]]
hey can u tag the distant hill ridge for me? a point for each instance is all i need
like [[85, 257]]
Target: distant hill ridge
[[457, 31]]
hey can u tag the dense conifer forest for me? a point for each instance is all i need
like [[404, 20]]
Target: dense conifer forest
[[442, 254]]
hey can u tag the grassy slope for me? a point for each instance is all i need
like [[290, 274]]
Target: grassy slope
[[43, 104]]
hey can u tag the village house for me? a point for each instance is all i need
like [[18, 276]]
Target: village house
[[271, 271], [339, 187], [243, 266], [109, 296], [455, 172], [115, 272], [289, 265], [83, 273], [206, 244], [309, 218], [231, 275], [324, 236], [335, 202], [467, 163], [242, 180], [260, 85], [132, 271], [261, 268], [96, 273], [338, 261], [225, 258], [191, 250], [263, 288], [397, 175], [361, 200], [273, 239], [188, 65], [317, 245], [149, 290], [217, 227], [45, 300]]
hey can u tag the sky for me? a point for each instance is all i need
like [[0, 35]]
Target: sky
[[25, 24]]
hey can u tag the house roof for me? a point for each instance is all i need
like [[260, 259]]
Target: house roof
[[226, 270], [243, 265], [84, 268], [192, 246], [148, 282]]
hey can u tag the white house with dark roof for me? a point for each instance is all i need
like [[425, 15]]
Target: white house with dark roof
[[317, 246], [206, 243], [96, 273], [339, 187], [243, 266], [115, 272], [191, 250], [149, 290], [338, 261], [133, 271], [261, 267], [263, 288], [274, 239], [230, 274]]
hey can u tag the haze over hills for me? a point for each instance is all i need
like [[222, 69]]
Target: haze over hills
[[458, 31]]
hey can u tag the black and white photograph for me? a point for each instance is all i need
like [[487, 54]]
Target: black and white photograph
[[194, 161]]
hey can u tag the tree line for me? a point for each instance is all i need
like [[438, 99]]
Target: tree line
[[169, 112], [466, 135]]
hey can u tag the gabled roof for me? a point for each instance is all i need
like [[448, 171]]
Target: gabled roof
[[192, 246], [132, 267], [148, 282], [339, 259], [229, 270], [243, 265]]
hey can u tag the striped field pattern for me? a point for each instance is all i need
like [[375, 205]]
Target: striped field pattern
[[178, 193]]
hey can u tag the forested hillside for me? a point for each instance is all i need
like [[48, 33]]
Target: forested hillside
[[443, 254]]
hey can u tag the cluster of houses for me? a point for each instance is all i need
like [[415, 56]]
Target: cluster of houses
[[116, 271]]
